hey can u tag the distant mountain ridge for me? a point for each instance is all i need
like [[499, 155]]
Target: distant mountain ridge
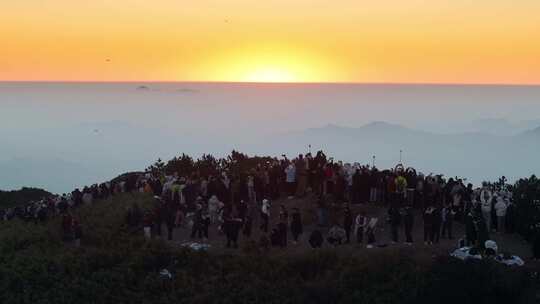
[[386, 127], [474, 155]]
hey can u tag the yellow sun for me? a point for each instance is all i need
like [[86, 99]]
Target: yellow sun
[[268, 63], [270, 74]]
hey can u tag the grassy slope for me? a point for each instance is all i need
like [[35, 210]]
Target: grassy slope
[[116, 266], [17, 197]]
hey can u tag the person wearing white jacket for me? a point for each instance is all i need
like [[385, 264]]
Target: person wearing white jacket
[[485, 199], [265, 215], [500, 210], [360, 223], [214, 205]]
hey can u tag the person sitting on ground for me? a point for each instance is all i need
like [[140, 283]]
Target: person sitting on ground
[[275, 238], [316, 239], [490, 248], [336, 235]]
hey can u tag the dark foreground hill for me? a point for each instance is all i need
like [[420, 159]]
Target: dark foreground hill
[[116, 265], [22, 196]]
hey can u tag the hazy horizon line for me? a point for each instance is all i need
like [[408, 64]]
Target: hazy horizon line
[[273, 83]]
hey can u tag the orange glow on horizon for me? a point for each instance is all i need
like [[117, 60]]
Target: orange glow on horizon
[[280, 41]]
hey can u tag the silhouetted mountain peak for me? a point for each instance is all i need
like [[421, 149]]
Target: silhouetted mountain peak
[[382, 126]]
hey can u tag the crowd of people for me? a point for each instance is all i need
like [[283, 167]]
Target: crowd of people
[[241, 202], [233, 202]]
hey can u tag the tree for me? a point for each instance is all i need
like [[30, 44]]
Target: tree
[[527, 202], [182, 165], [157, 169]]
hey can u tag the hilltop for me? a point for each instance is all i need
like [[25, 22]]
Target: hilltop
[[117, 264], [18, 197]]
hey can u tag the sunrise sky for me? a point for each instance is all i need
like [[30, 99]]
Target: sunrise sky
[[435, 41]]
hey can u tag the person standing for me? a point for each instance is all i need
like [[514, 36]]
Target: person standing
[[408, 222], [67, 226], [360, 224], [296, 224], [301, 176], [500, 209], [536, 245], [437, 222], [290, 179], [147, 225], [197, 228], [282, 226], [322, 212], [428, 225], [170, 219], [316, 239], [205, 224], [395, 221], [447, 218], [356, 187], [401, 189], [265, 215], [470, 229], [347, 224], [231, 227], [370, 232], [486, 198], [77, 232], [248, 223]]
